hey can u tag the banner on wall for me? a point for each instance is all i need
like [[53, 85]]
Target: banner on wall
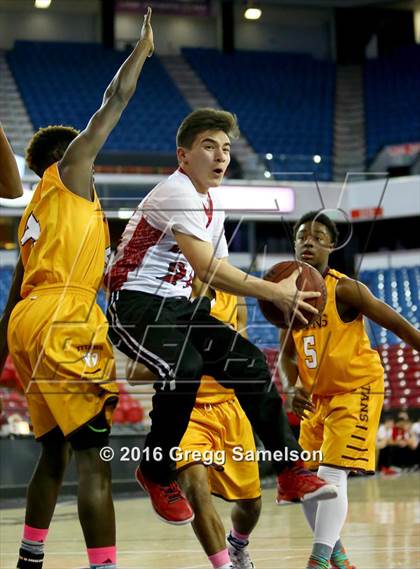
[[173, 7]]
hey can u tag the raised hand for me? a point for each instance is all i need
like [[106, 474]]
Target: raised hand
[[146, 33]]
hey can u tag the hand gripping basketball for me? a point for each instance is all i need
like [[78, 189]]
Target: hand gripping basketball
[[301, 295]]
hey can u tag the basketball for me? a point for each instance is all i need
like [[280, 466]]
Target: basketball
[[309, 279]]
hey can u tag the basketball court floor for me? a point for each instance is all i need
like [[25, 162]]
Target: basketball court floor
[[382, 532]]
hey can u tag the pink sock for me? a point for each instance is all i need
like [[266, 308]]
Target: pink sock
[[240, 536], [102, 555], [220, 559], [34, 534]]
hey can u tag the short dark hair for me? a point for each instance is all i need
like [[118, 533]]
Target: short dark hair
[[47, 146], [204, 119], [319, 218]]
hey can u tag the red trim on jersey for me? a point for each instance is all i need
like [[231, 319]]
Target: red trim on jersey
[[144, 237], [209, 210]]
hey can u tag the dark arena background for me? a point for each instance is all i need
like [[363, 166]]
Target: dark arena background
[[327, 97]]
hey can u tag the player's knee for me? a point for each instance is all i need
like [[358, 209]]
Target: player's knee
[[190, 367], [55, 454], [336, 476], [257, 369], [194, 482], [251, 508], [93, 435], [199, 496]]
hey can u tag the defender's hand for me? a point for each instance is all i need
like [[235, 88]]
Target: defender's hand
[[146, 33], [302, 403]]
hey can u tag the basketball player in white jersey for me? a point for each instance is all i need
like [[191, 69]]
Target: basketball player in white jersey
[[177, 231]]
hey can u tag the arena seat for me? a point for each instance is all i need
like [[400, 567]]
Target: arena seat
[[392, 92], [129, 410], [57, 90], [286, 109]]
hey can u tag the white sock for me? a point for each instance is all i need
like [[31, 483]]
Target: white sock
[[331, 514]]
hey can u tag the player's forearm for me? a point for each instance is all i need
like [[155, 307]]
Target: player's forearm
[[393, 321], [288, 371], [124, 83], [408, 334], [10, 183], [224, 276]]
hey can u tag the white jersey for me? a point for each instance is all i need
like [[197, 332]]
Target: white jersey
[[148, 258]]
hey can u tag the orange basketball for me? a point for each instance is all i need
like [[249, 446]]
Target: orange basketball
[[309, 279]]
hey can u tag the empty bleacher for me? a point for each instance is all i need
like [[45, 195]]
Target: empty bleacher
[[392, 94], [284, 103], [63, 83]]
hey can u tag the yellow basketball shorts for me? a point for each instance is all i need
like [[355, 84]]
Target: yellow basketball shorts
[[343, 427], [220, 435], [57, 339]]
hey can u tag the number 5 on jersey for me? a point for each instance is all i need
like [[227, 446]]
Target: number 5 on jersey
[[311, 359]]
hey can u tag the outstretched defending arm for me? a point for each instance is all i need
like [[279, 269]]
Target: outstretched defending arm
[[10, 184], [357, 295], [77, 162]]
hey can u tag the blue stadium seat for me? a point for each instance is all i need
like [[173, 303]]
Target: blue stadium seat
[[58, 89], [285, 105], [392, 93]]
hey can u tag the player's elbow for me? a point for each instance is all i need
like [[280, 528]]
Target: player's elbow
[[204, 271], [11, 192], [203, 274]]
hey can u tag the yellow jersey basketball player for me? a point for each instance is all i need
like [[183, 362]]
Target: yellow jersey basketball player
[[339, 383], [57, 334], [218, 426]]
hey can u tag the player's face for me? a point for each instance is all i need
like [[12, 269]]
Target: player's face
[[313, 244], [207, 159]]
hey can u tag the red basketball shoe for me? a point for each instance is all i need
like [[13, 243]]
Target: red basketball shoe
[[298, 484], [169, 502]]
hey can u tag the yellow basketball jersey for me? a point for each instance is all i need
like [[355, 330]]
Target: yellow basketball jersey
[[64, 238], [335, 356], [225, 309]]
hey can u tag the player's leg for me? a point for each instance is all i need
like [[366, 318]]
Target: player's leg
[[144, 327], [42, 496], [239, 481], [95, 504], [330, 518], [311, 439], [245, 515], [238, 364], [47, 477], [207, 524], [348, 443]]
